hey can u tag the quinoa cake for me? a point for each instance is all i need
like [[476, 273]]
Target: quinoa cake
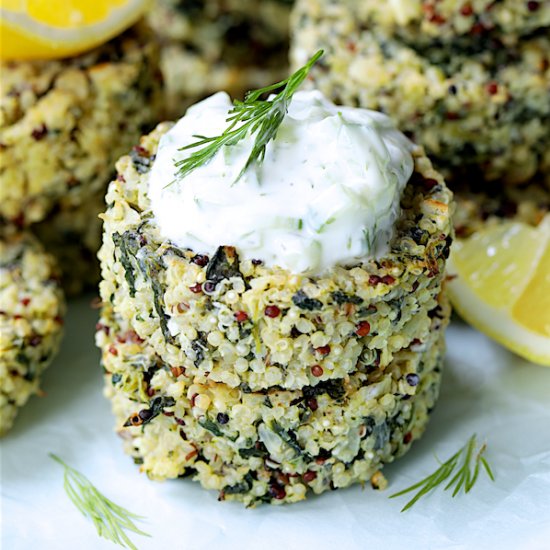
[[481, 113], [244, 324], [425, 21], [476, 209], [232, 45], [31, 311], [73, 236], [231, 368], [273, 445], [64, 123]]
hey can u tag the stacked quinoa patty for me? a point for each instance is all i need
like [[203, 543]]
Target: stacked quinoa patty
[[260, 382], [63, 124], [31, 310], [211, 45], [470, 81]]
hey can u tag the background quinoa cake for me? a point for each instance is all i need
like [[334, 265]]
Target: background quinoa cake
[[480, 108], [211, 45], [73, 236], [421, 22], [479, 208], [260, 379], [62, 125], [31, 311]]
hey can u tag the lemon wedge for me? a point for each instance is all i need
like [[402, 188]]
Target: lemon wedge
[[502, 285], [45, 29]]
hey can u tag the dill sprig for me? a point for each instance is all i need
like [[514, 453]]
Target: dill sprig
[[111, 521], [464, 477], [254, 116]]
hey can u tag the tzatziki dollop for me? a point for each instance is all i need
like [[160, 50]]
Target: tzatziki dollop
[[327, 192]]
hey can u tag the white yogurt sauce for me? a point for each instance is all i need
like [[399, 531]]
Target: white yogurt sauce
[[326, 193]]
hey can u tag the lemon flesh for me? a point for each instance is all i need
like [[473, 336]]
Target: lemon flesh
[[502, 286], [536, 297], [46, 29]]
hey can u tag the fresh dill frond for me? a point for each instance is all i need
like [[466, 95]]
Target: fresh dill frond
[[464, 478], [111, 521], [253, 115]]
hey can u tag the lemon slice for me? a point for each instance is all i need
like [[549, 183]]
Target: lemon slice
[[45, 29], [502, 286]]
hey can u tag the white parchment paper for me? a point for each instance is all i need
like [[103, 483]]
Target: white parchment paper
[[486, 390]]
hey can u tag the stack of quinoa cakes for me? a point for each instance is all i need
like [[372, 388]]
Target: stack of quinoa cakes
[[63, 123], [469, 80], [211, 45], [264, 383]]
